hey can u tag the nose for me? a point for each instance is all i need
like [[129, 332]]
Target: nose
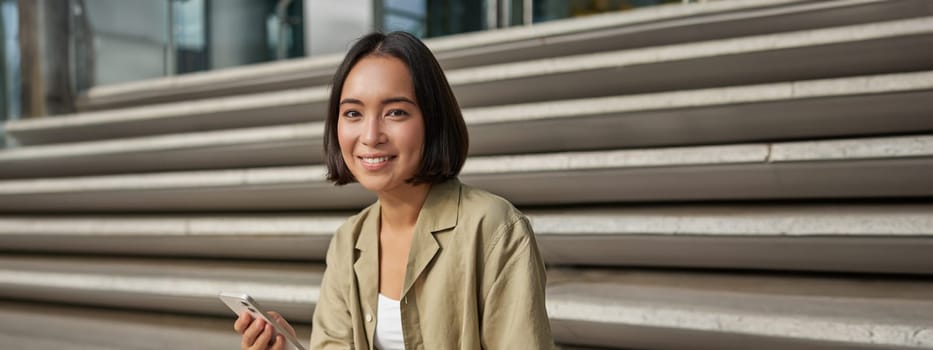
[[372, 132]]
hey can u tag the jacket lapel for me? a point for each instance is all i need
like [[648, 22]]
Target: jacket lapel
[[367, 266], [440, 212]]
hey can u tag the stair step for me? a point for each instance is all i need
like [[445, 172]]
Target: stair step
[[846, 168], [660, 25], [278, 107], [802, 237], [247, 236], [181, 286], [813, 54], [676, 310], [25, 326], [33, 326], [891, 103], [620, 308], [291, 144], [703, 24], [798, 237]]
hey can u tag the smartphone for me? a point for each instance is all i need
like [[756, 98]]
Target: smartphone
[[243, 302]]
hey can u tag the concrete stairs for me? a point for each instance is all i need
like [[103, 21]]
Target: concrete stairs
[[725, 175]]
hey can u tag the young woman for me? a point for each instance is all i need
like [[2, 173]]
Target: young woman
[[434, 263]]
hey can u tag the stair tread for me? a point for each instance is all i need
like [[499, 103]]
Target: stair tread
[[843, 310], [547, 79], [637, 121], [792, 236], [807, 169], [640, 27], [460, 50]]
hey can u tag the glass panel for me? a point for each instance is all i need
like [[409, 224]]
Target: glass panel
[[130, 39], [142, 39], [189, 21], [286, 31], [239, 32], [446, 17], [436, 17], [9, 57], [516, 12], [332, 25], [405, 15], [547, 10]]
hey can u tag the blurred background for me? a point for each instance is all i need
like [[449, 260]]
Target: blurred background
[[731, 174], [144, 39]]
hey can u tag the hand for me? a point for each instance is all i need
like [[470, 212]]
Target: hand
[[257, 335]]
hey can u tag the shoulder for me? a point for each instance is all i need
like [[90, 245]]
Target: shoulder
[[348, 232], [479, 204], [356, 220], [492, 216]]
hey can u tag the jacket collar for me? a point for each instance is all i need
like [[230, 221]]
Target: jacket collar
[[441, 209], [366, 266], [440, 212]]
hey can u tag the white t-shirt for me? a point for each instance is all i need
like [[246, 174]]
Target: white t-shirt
[[389, 325]]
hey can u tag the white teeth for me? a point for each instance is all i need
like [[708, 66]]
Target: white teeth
[[375, 160]]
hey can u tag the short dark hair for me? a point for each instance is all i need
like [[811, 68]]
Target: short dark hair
[[445, 133]]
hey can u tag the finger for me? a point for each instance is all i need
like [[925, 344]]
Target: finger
[[279, 343], [265, 338], [251, 333], [242, 322]]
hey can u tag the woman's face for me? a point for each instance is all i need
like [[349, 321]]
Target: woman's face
[[380, 128]]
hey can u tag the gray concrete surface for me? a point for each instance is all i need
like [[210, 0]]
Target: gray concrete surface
[[728, 309], [890, 103], [802, 237], [162, 285], [890, 167], [252, 147], [280, 107], [809, 54], [843, 51], [678, 310], [32, 326]]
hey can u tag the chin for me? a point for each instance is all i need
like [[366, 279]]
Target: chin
[[374, 185], [382, 185]]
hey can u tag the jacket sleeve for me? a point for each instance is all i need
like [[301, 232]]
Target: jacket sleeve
[[514, 311], [332, 326]]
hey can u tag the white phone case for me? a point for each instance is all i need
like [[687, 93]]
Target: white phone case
[[243, 302]]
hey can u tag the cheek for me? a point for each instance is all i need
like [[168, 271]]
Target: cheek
[[344, 138], [415, 137], [346, 142]]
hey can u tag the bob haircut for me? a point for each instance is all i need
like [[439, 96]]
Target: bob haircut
[[445, 133]]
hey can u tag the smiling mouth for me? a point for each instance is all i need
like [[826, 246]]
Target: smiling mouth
[[375, 160]]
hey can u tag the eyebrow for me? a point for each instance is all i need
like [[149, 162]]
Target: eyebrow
[[398, 99]]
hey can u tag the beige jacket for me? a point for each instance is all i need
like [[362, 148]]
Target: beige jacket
[[475, 278]]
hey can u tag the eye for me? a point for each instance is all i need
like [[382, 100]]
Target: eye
[[397, 113], [351, 114]]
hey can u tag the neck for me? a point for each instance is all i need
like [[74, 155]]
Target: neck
[[400, 208]]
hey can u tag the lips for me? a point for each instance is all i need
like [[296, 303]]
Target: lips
[[375, 162]]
